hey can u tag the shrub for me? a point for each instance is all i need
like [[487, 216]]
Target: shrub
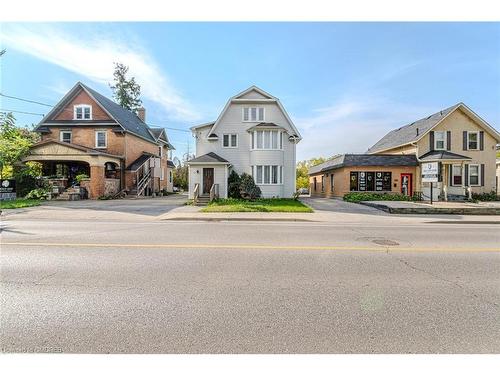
[[248, 189], [486, 197], [81, 177], [233, 185], [359, 197], [39, 193]]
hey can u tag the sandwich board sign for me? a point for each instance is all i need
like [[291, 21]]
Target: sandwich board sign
[[430, 172]]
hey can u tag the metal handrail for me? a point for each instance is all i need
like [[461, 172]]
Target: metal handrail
[[196, 193], [214, 192]]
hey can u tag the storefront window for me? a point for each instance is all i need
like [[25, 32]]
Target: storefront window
[[370, 181], [354, 181]]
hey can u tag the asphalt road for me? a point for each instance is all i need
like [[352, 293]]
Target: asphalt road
[[249, 287]]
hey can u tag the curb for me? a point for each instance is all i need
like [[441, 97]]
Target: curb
[[433, 210], [237, 219]]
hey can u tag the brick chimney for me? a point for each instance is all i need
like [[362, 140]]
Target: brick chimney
[[141, 113]]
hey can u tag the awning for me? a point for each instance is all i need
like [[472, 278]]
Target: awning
[[442, 156]]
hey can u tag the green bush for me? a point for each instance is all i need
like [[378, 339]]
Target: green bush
[[80, 177], [39, 193], [248, 189], [486, 197], [359, 197], [233, 185]]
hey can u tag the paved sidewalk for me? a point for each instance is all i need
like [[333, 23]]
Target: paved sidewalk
[[454, 208]]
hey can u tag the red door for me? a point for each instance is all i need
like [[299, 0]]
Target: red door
[[406, 184]]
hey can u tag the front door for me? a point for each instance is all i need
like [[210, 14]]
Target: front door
[[208, 179], [406, 184]]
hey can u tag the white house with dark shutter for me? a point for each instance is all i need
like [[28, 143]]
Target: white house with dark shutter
[[461, 142], [253, 134]]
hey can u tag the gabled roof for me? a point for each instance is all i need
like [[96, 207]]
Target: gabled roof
[[211, 157], [416, 130], [125, 118], [160, 134], [88, 150], [268, 98], [366, 160], [137, 163]]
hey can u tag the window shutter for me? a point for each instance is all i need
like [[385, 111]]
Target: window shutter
[[482, 174], [450, 173], [465, 141], [466, 174], [481, 140], [431, 141], [448, 140]]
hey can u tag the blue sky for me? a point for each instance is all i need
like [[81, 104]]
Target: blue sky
[[344, 84]]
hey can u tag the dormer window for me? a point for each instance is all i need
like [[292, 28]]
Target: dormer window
[[253, 114], [82, 112]]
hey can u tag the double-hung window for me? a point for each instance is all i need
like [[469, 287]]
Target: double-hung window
[[101, 139], [456, 175], [65, 136], [440, 140], [473, 174], [473, 140], [268, 174], [230, 140], [82, 112], [267, 140], [253, 114]]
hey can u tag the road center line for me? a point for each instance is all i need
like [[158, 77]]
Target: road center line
[[249, 246]]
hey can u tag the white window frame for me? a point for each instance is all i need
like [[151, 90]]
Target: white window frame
[[82, 106], [61, 139], [477, 140], [436, 140], [229, 135], [105, 138], [261, 176], [257, 111], [478, 174], [279, 140], [453, 174]]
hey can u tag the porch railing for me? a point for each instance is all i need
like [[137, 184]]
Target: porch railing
[[196, 193], [144, 182], [214, 192]]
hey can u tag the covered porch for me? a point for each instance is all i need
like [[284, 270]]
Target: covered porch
[[453, 177], [208, 177], [63, 162]]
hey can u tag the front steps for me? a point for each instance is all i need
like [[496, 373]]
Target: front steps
[[70, 194], [203, 200]]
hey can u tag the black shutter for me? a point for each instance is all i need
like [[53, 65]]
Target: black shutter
[[482, 174], [481, 140], [440, 172], [465, 141], [431, 141], [448, 140], [450, 173], [466, 177]]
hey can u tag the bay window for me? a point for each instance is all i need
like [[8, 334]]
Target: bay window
[[268, 174], [267, 140]]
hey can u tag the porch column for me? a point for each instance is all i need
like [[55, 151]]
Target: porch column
[[96, 181], [445, 181]]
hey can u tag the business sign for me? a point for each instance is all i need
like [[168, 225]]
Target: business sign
[[430, 172], [7, 189]]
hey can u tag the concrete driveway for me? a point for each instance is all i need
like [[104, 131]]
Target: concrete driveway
[[338, 205], [113, 210]]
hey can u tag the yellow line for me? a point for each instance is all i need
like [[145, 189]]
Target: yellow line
[[238, 246]]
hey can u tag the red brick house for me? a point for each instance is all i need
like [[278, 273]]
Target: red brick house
[[87, 133]]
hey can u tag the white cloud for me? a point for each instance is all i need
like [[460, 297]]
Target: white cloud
[[352, 125], [93, 58]]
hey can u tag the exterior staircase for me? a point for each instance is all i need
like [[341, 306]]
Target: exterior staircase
[[70, 194], [203, 200]]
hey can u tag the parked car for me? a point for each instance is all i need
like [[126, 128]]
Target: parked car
[[303, 191]]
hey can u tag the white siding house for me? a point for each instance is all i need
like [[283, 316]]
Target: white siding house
[[254, 135]]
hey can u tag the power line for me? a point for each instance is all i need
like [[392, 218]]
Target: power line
[[69, 110], [26, 113], [26, 100]]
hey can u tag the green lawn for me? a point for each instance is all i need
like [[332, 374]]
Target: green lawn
[[259, 205], [19, 203]]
